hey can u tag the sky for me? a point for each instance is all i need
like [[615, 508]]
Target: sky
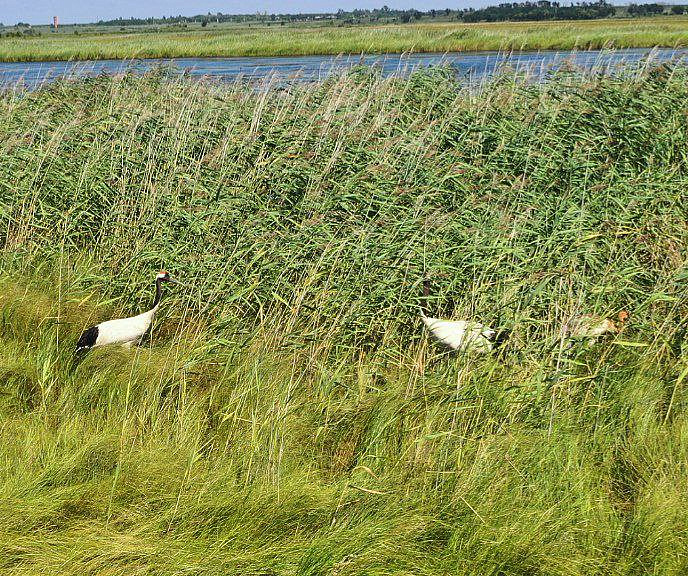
[[82, 11]]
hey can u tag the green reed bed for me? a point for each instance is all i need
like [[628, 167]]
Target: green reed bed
[[287, 415], [670, 31]]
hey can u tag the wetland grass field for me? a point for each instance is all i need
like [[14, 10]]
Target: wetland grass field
[[288, 415], [234, 40]]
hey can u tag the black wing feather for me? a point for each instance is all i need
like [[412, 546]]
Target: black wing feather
[[87, 339]]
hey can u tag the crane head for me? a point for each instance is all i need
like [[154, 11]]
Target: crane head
[[164, 276]]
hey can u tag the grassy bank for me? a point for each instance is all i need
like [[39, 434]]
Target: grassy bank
[[288, 415], [291, 41]]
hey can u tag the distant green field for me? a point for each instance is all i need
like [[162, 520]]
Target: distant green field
[[289, 416], [238, 40]]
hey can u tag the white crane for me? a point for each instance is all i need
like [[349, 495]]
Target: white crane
[[462, 335], [124, 331]]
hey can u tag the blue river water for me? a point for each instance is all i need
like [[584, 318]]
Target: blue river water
[[315, 68]]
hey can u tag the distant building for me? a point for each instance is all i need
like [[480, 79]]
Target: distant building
[[55, 22]]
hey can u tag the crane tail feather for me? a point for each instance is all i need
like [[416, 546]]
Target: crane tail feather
[[87, 339]]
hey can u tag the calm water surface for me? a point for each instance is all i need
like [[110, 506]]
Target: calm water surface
[[314, 68]]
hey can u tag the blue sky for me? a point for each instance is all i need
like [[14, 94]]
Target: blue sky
[[42, 11]]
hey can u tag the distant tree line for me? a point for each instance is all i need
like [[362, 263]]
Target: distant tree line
[[540, 10], [512, 11], [653, 9]]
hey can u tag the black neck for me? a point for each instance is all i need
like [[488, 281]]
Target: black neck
[[158, 292]]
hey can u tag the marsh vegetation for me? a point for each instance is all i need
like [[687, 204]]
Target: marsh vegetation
[[313, 39], [288, 415]]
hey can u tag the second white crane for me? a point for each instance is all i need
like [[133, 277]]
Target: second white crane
[[462, 335]]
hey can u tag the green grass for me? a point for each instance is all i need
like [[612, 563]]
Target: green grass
[[288, 415], [670, 31]]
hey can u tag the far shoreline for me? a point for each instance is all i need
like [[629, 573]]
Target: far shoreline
[[639, 33]]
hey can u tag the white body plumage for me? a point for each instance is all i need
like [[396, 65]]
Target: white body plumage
[[124, 331], [461, 335]]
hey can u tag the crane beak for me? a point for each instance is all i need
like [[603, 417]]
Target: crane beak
[[173, 281]]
